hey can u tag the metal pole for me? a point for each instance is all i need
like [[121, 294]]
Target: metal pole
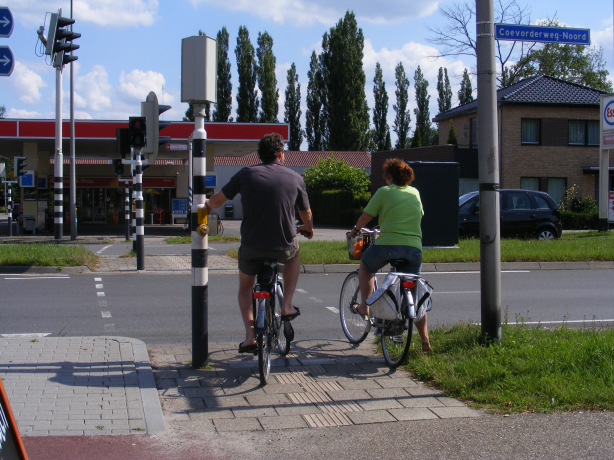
[[134, 204], [140, 213], [200, 272], [58, 179], [73, 177], [10, 208], [488, 159]]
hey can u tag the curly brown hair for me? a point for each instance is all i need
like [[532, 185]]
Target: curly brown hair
[[269, 147], [401, 173]]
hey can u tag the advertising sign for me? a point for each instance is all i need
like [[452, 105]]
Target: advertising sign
[[611, 208]]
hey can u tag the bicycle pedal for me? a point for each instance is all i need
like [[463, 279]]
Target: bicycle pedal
[[397, 339]]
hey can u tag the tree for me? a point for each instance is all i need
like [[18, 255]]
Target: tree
[[444, 91], [423, 116], [292, 114], [465, 93], [417, 139], [223, 108], [314, 118], [267, 81], [575, 63], [456, 36], [380, 110], [247, 95], [403, 117], [2, 111], [345, 107]]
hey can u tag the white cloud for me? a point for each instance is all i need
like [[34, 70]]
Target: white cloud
[[305, 13], [136, 84], [22, 113], [117, 13], [27, 84], [93, 90]]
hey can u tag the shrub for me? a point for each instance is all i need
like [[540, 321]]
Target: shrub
[[574, 203], [334, 174], [580, 221]]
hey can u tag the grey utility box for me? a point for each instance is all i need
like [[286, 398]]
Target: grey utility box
[[199, 69]]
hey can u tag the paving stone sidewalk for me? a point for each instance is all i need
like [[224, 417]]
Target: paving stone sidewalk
[[321, 383]]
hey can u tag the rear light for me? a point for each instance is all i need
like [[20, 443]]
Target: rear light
[[409, 284], [261, 295]]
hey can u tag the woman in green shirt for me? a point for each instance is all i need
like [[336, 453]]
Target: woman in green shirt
[[399, 209]]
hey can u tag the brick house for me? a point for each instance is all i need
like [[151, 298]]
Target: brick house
[[549, 136]]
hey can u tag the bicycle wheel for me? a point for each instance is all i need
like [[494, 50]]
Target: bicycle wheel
[[282, 337], [354, 325], [264, 347], [395, 342]]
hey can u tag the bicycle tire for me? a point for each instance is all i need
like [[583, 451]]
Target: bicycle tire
[[395, 346], [264, 347], [282, 338], [354, 326]]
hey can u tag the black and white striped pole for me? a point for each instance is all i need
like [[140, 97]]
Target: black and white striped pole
[[140, 212], [10, 208], [58, 162], [127, 208], [200, 271]]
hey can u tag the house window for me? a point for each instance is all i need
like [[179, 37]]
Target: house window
[[529, 131], [529, 183], [556, 188], [583, 132], [473, 132]]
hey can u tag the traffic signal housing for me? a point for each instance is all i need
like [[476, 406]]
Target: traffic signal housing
[[19, 166], [137, 132], [151, 110], [59, 40]]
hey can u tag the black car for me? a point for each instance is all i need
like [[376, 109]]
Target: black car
[[522, 212]]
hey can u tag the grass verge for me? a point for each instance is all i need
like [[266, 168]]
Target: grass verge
[[46, 255], [532, 369]]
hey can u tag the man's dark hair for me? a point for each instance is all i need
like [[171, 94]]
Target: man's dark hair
[[269, 147]]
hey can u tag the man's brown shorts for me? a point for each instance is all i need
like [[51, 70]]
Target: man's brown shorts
[[250, 259]]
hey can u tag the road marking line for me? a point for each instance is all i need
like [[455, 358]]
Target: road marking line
[[302, 291], [472, 272], [100, 286], [25, 335], [335, 310], [63, 277], [105, 314], [100, 294], [103, 249], [98, 279], [316, 299]]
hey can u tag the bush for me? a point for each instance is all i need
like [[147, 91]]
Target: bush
[[579, 220], [574, 203], [339, 208], [332, 174]]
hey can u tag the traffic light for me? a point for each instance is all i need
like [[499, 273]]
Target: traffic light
[[137, 131], [151, 110], [119, 167], [59, 40], [19, 166]]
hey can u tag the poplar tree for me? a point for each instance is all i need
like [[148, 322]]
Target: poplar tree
[[293, 109], [403, 117], [247, 94], [465, 93], [345, 107], [314, 119], [223, 108], [444, 91], [423, 116], [267, 81], [380, 110]]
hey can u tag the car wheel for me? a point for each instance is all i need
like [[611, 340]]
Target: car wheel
[[545, 234]]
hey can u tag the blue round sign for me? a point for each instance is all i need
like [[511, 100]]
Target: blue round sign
[[6, 22], [608, 113], [7, 63]]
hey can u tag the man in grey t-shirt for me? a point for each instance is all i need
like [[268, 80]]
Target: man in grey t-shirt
[[270, 193]]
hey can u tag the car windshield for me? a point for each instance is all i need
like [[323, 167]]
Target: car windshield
[[464, 198]]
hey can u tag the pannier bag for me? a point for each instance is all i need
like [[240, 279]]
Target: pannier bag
[[385, 300]]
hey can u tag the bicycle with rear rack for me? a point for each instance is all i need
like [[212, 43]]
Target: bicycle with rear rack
[[401, 300], [270, 329]]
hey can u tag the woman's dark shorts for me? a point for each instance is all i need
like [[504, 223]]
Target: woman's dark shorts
[[378, 255], [250, 259]]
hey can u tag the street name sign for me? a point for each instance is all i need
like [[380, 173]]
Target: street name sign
[[528, 33], [7, 63], [6, 22]]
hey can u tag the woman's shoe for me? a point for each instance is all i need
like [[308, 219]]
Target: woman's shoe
[[249, 348]]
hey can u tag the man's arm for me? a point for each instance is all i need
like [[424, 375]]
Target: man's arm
[[216, 200], [307, 220]]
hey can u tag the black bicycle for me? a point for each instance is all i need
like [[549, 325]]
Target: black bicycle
[[269, 327]]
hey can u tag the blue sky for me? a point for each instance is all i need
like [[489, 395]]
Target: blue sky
[[131, 47]]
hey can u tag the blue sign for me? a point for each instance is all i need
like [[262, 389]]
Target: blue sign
[[561, 35], [180, 207], [6, 22], [210, 181], [6, 61]]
